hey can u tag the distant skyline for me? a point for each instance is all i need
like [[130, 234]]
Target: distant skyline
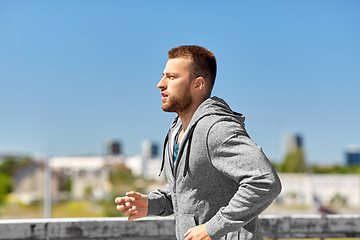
[[74, 74]]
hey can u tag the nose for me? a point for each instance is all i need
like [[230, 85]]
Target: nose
[[162, 84]]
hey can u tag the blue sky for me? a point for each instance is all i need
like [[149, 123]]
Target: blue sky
[[76, 73]]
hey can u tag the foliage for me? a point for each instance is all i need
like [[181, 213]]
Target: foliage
[[7, 168], [277, 166], [62, 209], [83, 208], [5, 187], [122, 181], [294, 162], [88, 192], [68, 184], [336, 169], [10, 164]]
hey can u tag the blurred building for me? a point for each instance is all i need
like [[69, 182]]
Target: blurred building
[[113, 148], [89, 174], [353, 155], [149, 149], [292, 142], [148, 164], [29, 184], [330, 189]]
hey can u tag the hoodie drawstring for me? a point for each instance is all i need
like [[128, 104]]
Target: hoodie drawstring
[[163, 157], [186, 169]]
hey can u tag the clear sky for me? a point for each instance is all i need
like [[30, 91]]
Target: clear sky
[[76, 73]]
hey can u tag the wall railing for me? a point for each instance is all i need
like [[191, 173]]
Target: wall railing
[[162, 228]]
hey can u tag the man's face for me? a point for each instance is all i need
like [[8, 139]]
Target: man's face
[[175, 86]]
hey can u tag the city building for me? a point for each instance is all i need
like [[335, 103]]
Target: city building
[[113, 148], [352, 155]]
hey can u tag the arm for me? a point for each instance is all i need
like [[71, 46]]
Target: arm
[[160, 202], [234, 154]]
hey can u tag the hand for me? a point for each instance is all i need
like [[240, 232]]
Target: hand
[[197, 233], [135, 205]]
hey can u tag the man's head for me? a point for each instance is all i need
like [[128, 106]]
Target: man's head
[[188, 79], [203, 62]]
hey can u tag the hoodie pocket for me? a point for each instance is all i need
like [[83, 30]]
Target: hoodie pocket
[[183, 223], [232, 236]]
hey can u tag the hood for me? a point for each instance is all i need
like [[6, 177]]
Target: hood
[[211, 106], [215, 106]]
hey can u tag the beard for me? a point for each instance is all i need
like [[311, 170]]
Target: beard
[[178, 104]]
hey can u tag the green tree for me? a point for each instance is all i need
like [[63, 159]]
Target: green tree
[[5, 187], [294, 162], [7, 168], [68, 184], [10, 164]]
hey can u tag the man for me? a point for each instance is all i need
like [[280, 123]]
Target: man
[[219, 180]]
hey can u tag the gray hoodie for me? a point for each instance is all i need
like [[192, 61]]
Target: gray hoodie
[[221, 177]]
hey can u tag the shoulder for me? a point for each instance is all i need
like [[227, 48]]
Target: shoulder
[[225, 128]]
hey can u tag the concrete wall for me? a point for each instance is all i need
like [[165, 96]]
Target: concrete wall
[[151, 228]]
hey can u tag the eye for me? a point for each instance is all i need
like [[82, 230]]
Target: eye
[[171, 77]]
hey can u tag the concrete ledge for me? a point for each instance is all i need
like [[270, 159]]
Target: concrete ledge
[[311, 226], [274, 226], [84, 228]]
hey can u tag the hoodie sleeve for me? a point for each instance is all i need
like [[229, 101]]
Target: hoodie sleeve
[[160, 203], [234, 154]]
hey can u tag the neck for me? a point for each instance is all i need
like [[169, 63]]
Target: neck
[[186, 116], [185, 119]]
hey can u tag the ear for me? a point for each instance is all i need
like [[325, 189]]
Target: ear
[[200, 83]]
